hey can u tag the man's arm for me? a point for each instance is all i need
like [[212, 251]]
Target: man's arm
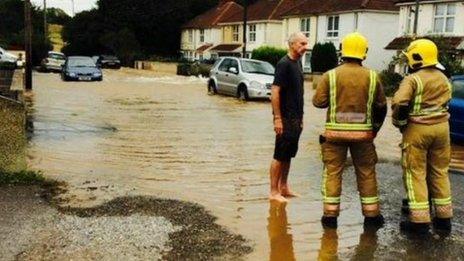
[[401, 101], [380, 108], [321, 97], [275, 100]]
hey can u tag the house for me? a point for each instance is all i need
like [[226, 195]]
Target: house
[[203, 32], [331, 20], [444, 18], [264, 27]]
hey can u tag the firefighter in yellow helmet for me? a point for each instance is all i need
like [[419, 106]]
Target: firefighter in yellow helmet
[[356, 110], [420, 111]]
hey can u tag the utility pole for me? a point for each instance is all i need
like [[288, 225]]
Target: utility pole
[[416, 18], [245, 18], [45, 21], [28, 43], [73, 11]]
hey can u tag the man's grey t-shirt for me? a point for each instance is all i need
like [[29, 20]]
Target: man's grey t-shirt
[[289, 77]]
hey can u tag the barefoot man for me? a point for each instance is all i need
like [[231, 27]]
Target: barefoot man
[[287, 107]]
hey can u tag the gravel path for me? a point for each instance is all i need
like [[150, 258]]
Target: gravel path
[[132, 228]]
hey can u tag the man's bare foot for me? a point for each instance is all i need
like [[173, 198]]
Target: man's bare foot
[[278, 198], [288, 194]]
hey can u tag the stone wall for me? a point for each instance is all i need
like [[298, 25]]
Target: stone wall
[[13, 122]]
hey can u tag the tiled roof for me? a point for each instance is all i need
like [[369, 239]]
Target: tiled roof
[[331, 6], [203, 48], [401, 43], [264, 10], [226, 47], [408, 1], [214, 16]]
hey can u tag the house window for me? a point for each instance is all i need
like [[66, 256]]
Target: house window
[[444, 18], [252, 33], [202, 35], [332, 26], [190, 35], [235, 33], [410, 19], [305, 24], [307, 62]]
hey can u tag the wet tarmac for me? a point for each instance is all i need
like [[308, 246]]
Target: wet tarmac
[[140, 134]]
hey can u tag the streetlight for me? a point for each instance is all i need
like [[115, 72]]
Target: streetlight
[[45, 20], [73, 11]]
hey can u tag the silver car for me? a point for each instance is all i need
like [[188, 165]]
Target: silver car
[[243, 78], [53, 62]]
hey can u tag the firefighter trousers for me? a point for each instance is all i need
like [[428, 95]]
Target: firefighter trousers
[[426, 153], [364, 159]]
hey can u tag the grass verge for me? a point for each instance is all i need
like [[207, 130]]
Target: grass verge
[[25, 177]]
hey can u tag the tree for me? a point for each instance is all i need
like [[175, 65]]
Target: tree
[[57, 16], [12, 28], [153, 27], [324, 57], [269, 54]]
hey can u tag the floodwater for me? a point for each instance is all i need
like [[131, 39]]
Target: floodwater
[[137, 133]]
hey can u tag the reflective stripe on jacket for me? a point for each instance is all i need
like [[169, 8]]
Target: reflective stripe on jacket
[[423, 98]]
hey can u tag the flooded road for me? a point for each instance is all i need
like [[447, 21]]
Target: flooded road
[[140, 134]]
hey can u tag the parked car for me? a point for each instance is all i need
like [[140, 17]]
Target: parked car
[[9, 58], [456, 109], [108, 61], [81, 68], [197, 68], [53, 62], [243, 78]]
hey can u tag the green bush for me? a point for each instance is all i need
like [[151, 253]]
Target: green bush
[[390, 81], [7, 66], [269, 54], [21, 178], [324, 57]]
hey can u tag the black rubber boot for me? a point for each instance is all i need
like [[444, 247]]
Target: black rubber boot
[[414, 228], [329, 222], [443, 224], [374, 222], [405, 206]]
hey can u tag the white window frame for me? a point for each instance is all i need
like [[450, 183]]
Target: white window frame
[[202, 35], [445, 18], [333, 31], [410, 19], [305, 26], [235, 33], [252, 33], [307, 61], [190, 36]]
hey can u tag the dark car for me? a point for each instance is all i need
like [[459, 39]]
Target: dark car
[[456, 109], [81, 68], [108, 61]]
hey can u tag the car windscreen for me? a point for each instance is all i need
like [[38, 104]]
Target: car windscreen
[[57, 56], [108, 57], [257, 67], [458, 89], [81, 62]]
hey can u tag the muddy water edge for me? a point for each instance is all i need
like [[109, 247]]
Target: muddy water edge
[[136, 134]]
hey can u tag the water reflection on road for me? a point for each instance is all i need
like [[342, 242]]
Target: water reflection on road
[[137, 134]]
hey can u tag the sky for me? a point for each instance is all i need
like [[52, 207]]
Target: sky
[[66, 5]]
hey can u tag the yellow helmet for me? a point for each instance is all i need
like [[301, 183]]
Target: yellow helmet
[[421, 53], [354, 45]]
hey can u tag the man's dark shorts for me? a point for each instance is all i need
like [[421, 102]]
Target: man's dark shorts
[[286, 145]]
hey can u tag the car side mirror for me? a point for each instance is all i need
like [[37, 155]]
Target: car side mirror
[[233, 70]]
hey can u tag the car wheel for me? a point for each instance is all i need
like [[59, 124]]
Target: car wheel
[[242, 93], [212, 88]]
